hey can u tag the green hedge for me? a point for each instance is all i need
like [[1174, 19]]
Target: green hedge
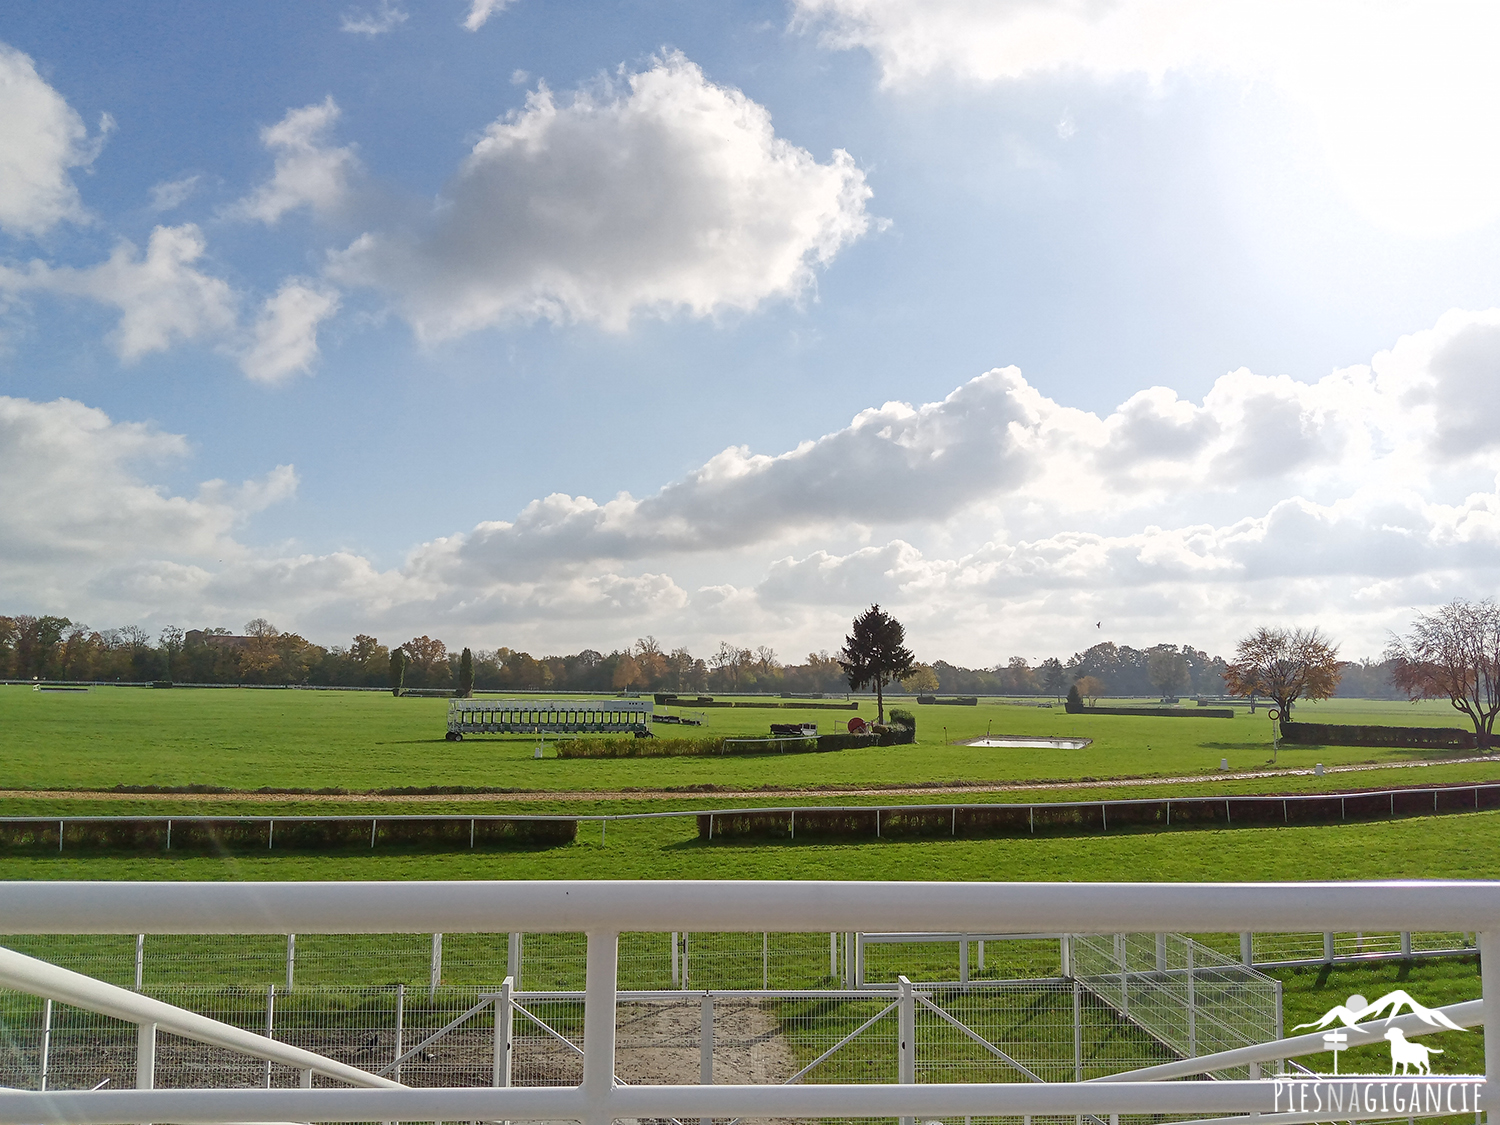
[[706, 747], [1337, 734], [1155, 712], [129, 835]]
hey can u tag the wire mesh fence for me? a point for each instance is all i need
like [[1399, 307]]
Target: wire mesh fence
[[1189, 997]]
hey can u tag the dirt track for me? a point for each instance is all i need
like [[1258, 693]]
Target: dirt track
[[974, 788]]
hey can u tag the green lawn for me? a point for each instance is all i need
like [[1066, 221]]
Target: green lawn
[[247, 739]]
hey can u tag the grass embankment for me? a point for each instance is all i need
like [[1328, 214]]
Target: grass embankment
[[245, 739]]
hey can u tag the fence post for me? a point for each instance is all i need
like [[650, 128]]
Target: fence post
[[140, 960], [833, 956], [848, 958], [1280, 1033], [1077, 1031], [1406, 943], [684, 959], [963, 959], [1247, 949], [1161, 953], [513, 958], [1489, 987], [1124, 975], [1065, 955], [46, 1042], [270, 1024], [504, 1026], [676, 969], [981, 955], [1192, 1002], [145, 1056], [400, 1018], [706, 1047], [859, 959], [765, 960], [601, 980], [1328, 949], [437, 966], [291, 959], [906, 1054]]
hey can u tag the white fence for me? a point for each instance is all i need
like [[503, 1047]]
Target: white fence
[[603, 910]]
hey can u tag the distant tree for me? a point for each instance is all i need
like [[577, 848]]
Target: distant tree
[[1091, 688], [171, 645], [465, 674], [427, 660], [260, 627], [875, 653], [921, 679], [36, 643], [1168, 669], [1454, 654], [1285, 665], [627, 673], [1053, 676], [398, 670], [1075, 698]]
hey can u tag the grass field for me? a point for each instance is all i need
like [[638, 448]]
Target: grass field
[[247, 739]]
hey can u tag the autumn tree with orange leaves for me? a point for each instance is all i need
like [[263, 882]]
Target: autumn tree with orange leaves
[[1285, 665], [1454, 654]]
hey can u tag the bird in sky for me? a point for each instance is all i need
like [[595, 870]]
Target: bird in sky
[[1098, 624]]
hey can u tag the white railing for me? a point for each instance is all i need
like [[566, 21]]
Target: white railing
[[605, 909]]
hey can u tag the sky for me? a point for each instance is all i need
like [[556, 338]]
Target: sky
[[555, 325]]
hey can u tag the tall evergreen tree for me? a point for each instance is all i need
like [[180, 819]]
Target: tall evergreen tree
[[876, 653], [398, 670], [465, 675]]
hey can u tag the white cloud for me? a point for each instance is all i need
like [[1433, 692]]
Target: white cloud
[[76, 505], [309, 172], [171, 194], [286, 335], [386, 16], [41, 140], [1401, 91], [481, 10], [657, 193], [994, 521], [163, 297]]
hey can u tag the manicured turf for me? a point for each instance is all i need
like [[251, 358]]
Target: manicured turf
[[247, 739]]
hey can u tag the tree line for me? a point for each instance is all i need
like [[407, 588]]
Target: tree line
[[56, 648]]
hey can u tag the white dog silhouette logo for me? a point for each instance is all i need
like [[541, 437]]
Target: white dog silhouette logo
[[1404, 1053]]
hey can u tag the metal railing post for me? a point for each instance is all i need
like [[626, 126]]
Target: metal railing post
[[1161, 953], [291, 960], [1077, 1031], [1247, 949], [906, 1038], [676, 969], [400, 1019], [513, 958], [145, 1056], [981, 955], [1406, 943], [601, 977], [140, 960], [1328, 948], [46, 1043], [833, 956], [706, 1047], [859, 960], [963, 959], [504, 1028], [765, 960], [270, 1024], [1489, 984], [436, 974], [1192, 1002], [1065, 955]]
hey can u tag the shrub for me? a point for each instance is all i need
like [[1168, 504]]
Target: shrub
[[1075, 700], [901, 717], [702, 747], [1338, 734]]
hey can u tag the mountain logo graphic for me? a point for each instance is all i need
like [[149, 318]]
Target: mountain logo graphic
[[1405, 1054]]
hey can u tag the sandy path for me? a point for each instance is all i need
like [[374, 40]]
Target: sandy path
[[973, 789]]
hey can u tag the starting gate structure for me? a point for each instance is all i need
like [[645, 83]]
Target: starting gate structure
[[548, 716]]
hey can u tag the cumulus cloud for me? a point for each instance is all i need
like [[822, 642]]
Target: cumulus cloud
[[480, 12], [994, 516], [660, 191], [386, 16], [76, 502], [309, 171], [1392, 77], [41, 140], [286, 334], [163, 297]]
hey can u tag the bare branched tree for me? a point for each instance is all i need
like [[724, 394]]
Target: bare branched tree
[[1454, 654]]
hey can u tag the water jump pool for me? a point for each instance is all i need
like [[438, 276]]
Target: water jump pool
[[1040, 743]]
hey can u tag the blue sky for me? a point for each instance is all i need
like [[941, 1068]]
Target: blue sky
[[552, 325]]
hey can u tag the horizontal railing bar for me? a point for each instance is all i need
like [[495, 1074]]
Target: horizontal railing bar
[[138, 1107], [38, 978], [1113, 802], [613, 906]]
